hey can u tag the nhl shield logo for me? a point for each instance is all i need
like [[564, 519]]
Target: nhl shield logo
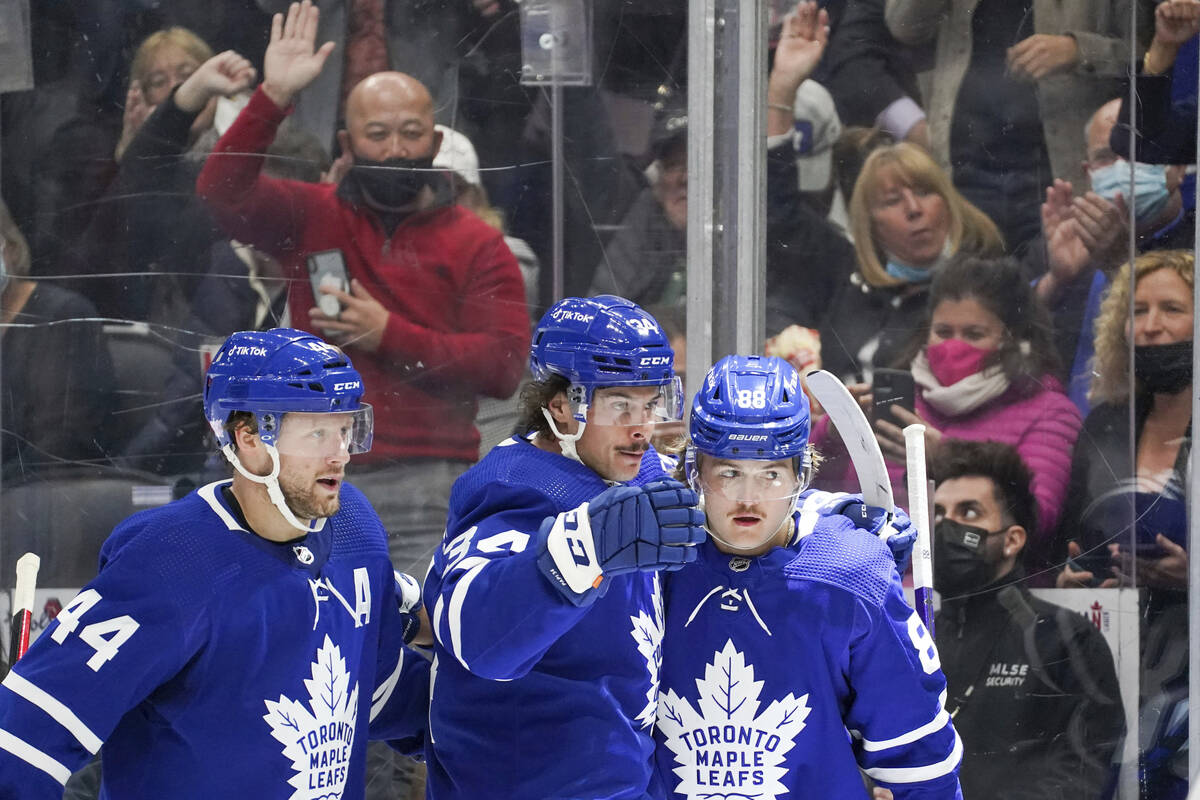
[[739, 564], [303, 554]]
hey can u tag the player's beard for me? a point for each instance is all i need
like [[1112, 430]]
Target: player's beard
[[301, 498]]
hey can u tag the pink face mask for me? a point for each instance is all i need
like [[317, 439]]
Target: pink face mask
[[952, 360]]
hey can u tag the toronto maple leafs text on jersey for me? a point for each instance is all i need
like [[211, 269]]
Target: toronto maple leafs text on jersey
[[210, 662], [534, 697], [784, 674]]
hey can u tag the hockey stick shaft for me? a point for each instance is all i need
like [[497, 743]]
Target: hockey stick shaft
[[22, 618], [918, 511]]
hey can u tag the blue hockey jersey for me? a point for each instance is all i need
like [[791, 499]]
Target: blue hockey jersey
[[212, 663], [534, 697], [782, 674]]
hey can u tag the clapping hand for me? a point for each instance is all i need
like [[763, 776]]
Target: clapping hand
[[1080, 232]]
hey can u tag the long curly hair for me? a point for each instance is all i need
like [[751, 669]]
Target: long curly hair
[[1111, 380], [971, 231]]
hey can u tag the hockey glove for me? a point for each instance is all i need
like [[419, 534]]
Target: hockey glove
[[408, 598], [624, 529], [899, 536]]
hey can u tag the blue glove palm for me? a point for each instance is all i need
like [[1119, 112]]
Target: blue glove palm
[[624, 529]]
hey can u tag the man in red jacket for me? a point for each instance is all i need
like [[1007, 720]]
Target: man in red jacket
[[435, 312]]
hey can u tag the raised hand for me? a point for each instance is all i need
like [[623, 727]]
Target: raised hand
[[290, 62], [1176, 21], [801, 44], [223, 75]]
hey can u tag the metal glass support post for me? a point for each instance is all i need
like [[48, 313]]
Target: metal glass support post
[[701, 226], [726, 181]]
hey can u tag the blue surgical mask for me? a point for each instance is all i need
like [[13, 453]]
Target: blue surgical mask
[[1150, 193], [910, 274]]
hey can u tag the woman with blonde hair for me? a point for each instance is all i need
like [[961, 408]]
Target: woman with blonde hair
[[907, 220], [1104, 473], [163, 60]]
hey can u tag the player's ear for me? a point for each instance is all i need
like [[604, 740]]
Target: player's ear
[[560, 409], [245, 438]]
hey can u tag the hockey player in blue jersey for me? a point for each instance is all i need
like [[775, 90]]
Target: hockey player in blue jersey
[[545, 596], [790, 658], [244, 641]]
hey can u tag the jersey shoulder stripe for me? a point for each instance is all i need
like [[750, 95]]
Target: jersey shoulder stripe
[[844, 557]]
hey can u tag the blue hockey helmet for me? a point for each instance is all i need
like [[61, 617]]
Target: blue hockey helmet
[[603, 341], [271, 373], [751, 407]]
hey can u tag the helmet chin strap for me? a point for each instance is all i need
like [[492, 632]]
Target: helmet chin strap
[[565, 440], [274, 492]]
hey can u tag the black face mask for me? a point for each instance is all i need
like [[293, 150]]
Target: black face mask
[[391, 185], [960, 562], [1164, 368]]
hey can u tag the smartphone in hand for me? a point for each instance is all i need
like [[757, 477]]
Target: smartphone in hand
[[892, 387], [328, 268]]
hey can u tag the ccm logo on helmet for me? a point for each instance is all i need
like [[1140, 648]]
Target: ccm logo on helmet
[[342, 387], [747, 437], [656, 361]]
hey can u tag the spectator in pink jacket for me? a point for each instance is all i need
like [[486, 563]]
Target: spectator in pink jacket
[[984, 366]]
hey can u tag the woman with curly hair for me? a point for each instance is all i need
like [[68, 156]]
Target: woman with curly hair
[[1104, 472]]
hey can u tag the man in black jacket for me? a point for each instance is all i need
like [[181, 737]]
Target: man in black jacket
[[1031, 685]]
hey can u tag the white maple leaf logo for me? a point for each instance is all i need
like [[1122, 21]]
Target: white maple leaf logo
[[648, 633], [727, 749], [319, 737]]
